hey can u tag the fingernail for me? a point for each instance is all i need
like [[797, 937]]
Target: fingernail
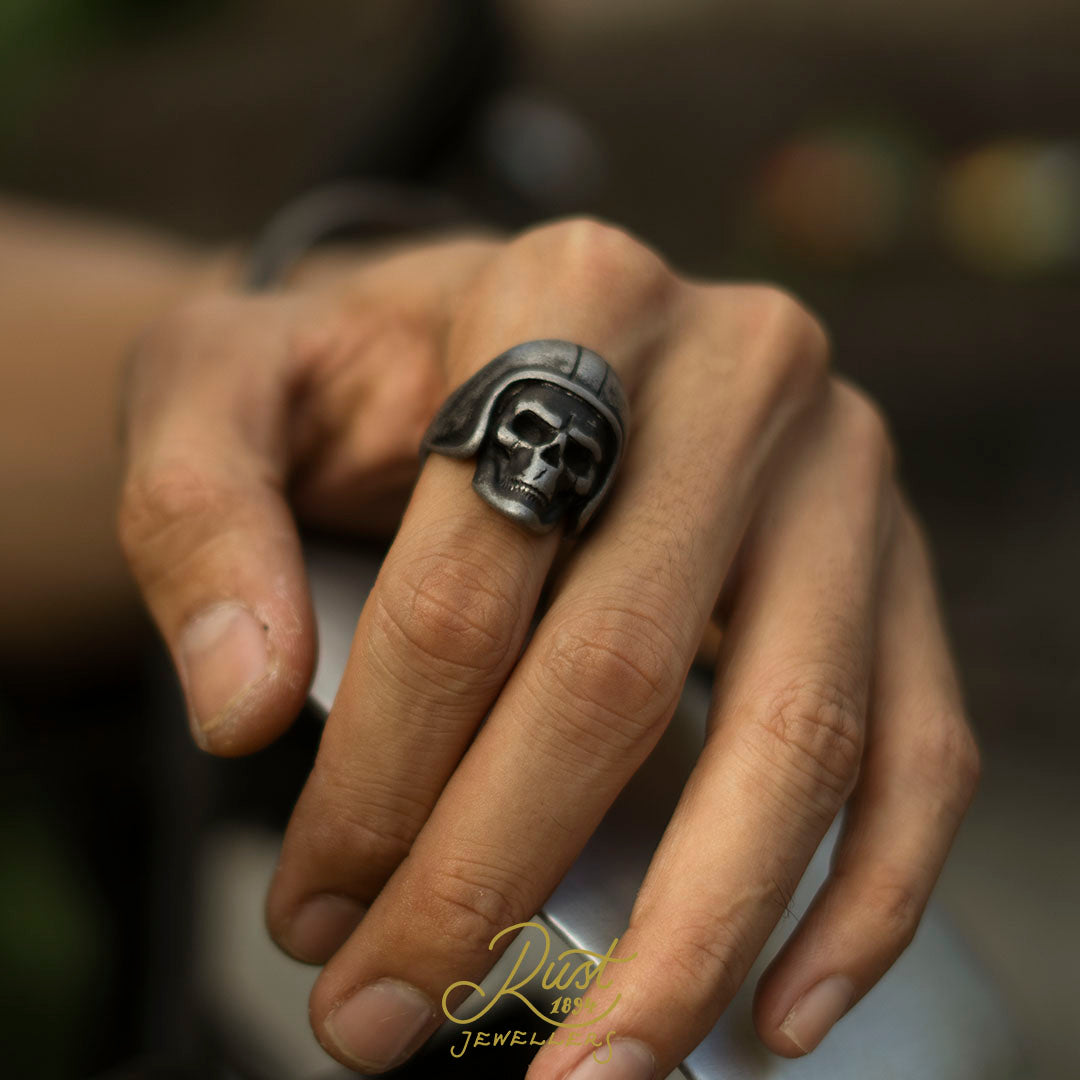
[[322, 925], [630, 1060], [223, 651], [381, 1024], [817, 1010]]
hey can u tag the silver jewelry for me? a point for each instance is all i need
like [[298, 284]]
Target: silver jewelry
[[547, 422]]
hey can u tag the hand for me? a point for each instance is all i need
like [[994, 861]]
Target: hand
[[750, 474]]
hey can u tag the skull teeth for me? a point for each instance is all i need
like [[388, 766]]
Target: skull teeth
[[527, 491]]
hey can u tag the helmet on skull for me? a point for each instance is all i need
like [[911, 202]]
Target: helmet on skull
[[465, 426]]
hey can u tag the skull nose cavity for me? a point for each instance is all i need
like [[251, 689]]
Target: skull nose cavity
[[551, 454]]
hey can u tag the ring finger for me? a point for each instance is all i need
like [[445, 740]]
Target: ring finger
[[781, 755]]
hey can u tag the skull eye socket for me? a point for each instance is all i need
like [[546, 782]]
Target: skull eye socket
[[578, 459], [530, 427]]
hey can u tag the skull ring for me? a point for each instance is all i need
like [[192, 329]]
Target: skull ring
[[547, 422]]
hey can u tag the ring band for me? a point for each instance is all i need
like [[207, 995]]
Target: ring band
[[547, 422]]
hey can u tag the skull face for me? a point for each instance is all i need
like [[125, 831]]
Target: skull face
[[546, 452]]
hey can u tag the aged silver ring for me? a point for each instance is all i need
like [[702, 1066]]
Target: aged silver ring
[[547, 422]]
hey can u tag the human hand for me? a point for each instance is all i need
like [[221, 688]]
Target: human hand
[[753, 484]]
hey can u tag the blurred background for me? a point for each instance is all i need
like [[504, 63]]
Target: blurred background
[[911, 168]]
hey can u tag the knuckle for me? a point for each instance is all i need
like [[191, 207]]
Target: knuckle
[[966, 763], [615, 676], [709, 948], [471, 901], [711, 943], [192, 317], [948, 756], [587, 253], [453, 611], [201, 334], [338, 349], [156, 500], [895, 907], [364, 818], [203, 320], [811, 733], [866, 428], [790, 336]]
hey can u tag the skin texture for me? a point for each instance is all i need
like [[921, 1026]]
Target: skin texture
[[752, 476]]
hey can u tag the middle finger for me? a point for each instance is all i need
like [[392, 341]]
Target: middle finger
[[450, 610]]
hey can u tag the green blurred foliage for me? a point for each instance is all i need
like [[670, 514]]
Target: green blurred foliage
[[39, 39], [53, 951]]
